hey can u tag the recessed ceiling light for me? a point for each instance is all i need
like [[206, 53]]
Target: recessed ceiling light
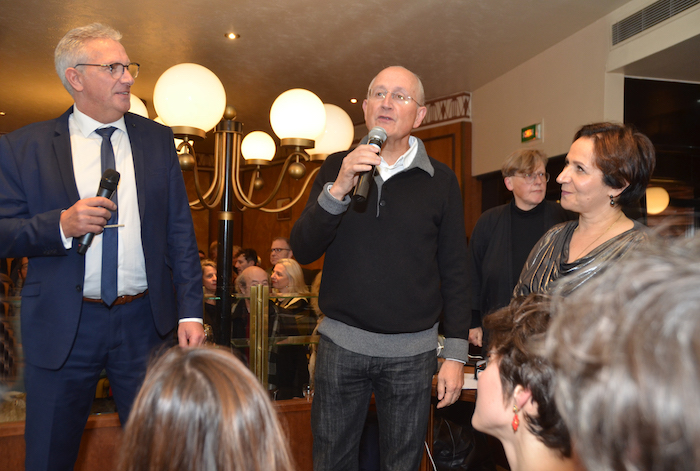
[[353, 100], [2, 113], [232, 35]]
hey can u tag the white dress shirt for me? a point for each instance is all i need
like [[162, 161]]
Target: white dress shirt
[[85, 148]]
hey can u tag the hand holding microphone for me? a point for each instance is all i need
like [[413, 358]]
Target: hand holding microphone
[[376, 137], [108, 185]]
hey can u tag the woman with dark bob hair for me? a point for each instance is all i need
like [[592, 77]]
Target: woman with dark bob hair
[[608, 166], [515, 393], [201, 409], [626, 351]]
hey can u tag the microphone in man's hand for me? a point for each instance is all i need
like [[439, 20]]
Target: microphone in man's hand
[[376, 137], [108, 185]]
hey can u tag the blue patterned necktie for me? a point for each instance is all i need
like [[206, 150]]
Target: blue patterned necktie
[[110, 236]]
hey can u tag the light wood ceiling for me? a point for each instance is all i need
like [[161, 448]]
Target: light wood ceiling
[[332, 47]]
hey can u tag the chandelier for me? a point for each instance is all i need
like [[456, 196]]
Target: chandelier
[[191, 100]]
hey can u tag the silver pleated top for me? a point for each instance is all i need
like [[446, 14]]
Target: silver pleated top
[[547, 267]]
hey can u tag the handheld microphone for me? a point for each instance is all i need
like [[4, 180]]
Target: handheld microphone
[[108, 184], [376, 137]]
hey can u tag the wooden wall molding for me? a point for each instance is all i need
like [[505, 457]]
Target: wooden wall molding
[[450, 108]]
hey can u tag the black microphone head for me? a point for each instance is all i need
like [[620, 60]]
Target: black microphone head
[[377, 136], [110, 179]]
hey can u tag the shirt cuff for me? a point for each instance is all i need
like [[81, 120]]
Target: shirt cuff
[[330, 204], [191, 319], [67, 241]]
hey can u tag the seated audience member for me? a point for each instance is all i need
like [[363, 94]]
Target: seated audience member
[[281, 249], [515, 393], [214, 250], [244, 258], [209, 287], [287, 279], [287, 368], [201, 409], [294, 318], [240, 316], [626, 351]]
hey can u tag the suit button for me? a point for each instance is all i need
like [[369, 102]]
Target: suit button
[[78, 288], [382, 203]]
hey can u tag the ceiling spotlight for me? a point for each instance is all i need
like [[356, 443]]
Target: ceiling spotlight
[[232, 35], [353, 100], [2, 113]]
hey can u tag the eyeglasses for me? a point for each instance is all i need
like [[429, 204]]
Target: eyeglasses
[[117, 69], [277, 250], [531, 177], [380, 95]]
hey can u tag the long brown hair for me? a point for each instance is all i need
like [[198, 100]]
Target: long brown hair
[[201, 409]]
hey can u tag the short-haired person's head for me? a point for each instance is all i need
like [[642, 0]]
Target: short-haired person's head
[[213, 250], [523, 161], [624, 155], [72, 50], [202, 409], [280, 248], [293, 273], [245, 258], [251, 276], [516, 335], [626, 350], [209, 275], [419, 89], [525, 174], [207, 263], [249, 254], [396, 102]]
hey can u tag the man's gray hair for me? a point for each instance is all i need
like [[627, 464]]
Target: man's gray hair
[[626, 350], [71, 48]]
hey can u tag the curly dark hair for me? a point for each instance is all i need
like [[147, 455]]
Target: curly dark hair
[[517, 332], [624, 155]]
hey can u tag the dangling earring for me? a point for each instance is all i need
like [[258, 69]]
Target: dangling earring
[[612, 201], [516, 421]]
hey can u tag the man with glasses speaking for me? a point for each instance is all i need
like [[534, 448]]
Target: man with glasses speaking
[[395, 262], [109, 279]]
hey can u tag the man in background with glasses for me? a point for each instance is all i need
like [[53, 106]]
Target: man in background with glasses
[[504, 235], [392, 267], [111, 307]]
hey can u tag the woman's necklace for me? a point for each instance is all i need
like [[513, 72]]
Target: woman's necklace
[[597, 238]]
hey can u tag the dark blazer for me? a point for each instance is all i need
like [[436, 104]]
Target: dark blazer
[[37, 183]]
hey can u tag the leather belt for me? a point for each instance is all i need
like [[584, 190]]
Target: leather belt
[[120, 300]]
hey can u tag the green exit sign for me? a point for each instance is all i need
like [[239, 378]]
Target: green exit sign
[[531, 133]]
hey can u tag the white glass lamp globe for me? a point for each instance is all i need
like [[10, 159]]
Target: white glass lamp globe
[[657, 199], [297, 114], [337, 135], [138, 107], [258, 147], [189, 95]]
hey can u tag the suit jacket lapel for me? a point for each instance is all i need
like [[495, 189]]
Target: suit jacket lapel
[[62, 150], [135, 139]]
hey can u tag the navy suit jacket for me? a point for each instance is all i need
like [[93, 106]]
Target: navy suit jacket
[[37, 182]]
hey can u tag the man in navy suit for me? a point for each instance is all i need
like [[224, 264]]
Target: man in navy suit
[[49, 174]]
